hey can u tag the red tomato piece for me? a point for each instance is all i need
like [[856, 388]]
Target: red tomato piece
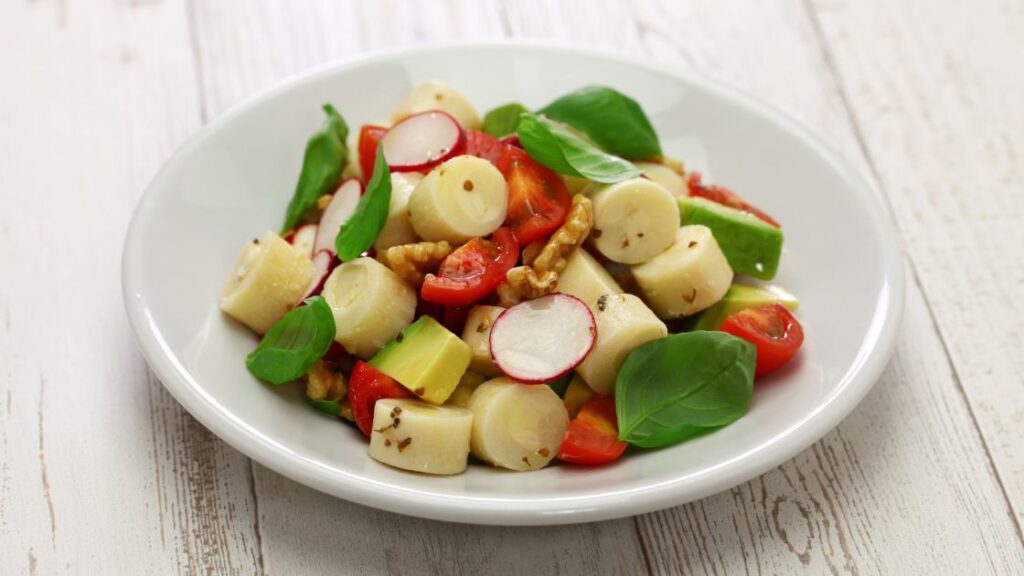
[[369, 135], [772, 329], [593, 435], [538, 200], [365, 387], [483, 145], [726, 197], [473, 271]]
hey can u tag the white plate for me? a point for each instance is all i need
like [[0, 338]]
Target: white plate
[[233, 180]]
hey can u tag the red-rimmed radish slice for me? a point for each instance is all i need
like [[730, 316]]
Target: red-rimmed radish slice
[[342, 205], [304, 239], [324, 262], [422, 141], [543, 339]]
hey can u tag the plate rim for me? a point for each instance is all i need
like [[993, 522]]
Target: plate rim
[[851, 389]]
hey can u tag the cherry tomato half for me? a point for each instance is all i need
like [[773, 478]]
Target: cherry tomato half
[[473, 271], [483, 145], [365, 387], [538, 200], [593, 435], [772, 329], [369, 135], [727, 197]]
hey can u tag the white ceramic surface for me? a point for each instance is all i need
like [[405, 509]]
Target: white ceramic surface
[[233, 180]]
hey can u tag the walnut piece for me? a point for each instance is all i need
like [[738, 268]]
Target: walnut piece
[[531, 251], [325, 382], [524, 283], [413, 261], [540, 274], [568, 237]]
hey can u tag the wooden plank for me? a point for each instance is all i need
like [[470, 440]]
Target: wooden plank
[[304, 531], [307, 532], [936, 89], [101, 471]]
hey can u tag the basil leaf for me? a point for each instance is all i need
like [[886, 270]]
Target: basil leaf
[[503, 120], [329, 406], [672, 389], [614, 121], [556, 147], [357, 234], [294, 343], [326, 154]]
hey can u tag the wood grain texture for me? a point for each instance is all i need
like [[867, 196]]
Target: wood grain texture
[[101, 471], [938, 99]]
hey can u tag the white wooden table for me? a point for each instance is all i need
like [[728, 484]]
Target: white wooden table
[[102, 472]]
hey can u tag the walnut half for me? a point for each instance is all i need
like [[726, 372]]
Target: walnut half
[[524, 283], [568, 237], [413, 261], [325, 382], [540, 276]]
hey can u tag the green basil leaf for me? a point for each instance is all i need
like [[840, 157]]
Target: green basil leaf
[[672, 389], [503, 120], [557, 147], [357, 234], [329, 406], [294, 343], [614, 121], [326, 154]]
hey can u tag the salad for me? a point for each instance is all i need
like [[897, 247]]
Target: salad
[[530, 286]]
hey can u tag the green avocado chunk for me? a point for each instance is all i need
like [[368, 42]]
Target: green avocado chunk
[[751, 246], [740, 297], [425, 358]]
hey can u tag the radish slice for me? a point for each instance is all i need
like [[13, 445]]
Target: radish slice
[[324, 262], [304, 239], [543, 339], [342, 205], [422, 141]]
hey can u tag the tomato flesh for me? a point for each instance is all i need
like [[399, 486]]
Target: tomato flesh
[[538, 201], [365, 387], [473, 271], [369, 135], [726, 197], [483, 145], [593, 435], [772, 329]]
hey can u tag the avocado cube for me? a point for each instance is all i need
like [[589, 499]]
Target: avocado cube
[[740, 297], [425, 358], [751, 245]]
